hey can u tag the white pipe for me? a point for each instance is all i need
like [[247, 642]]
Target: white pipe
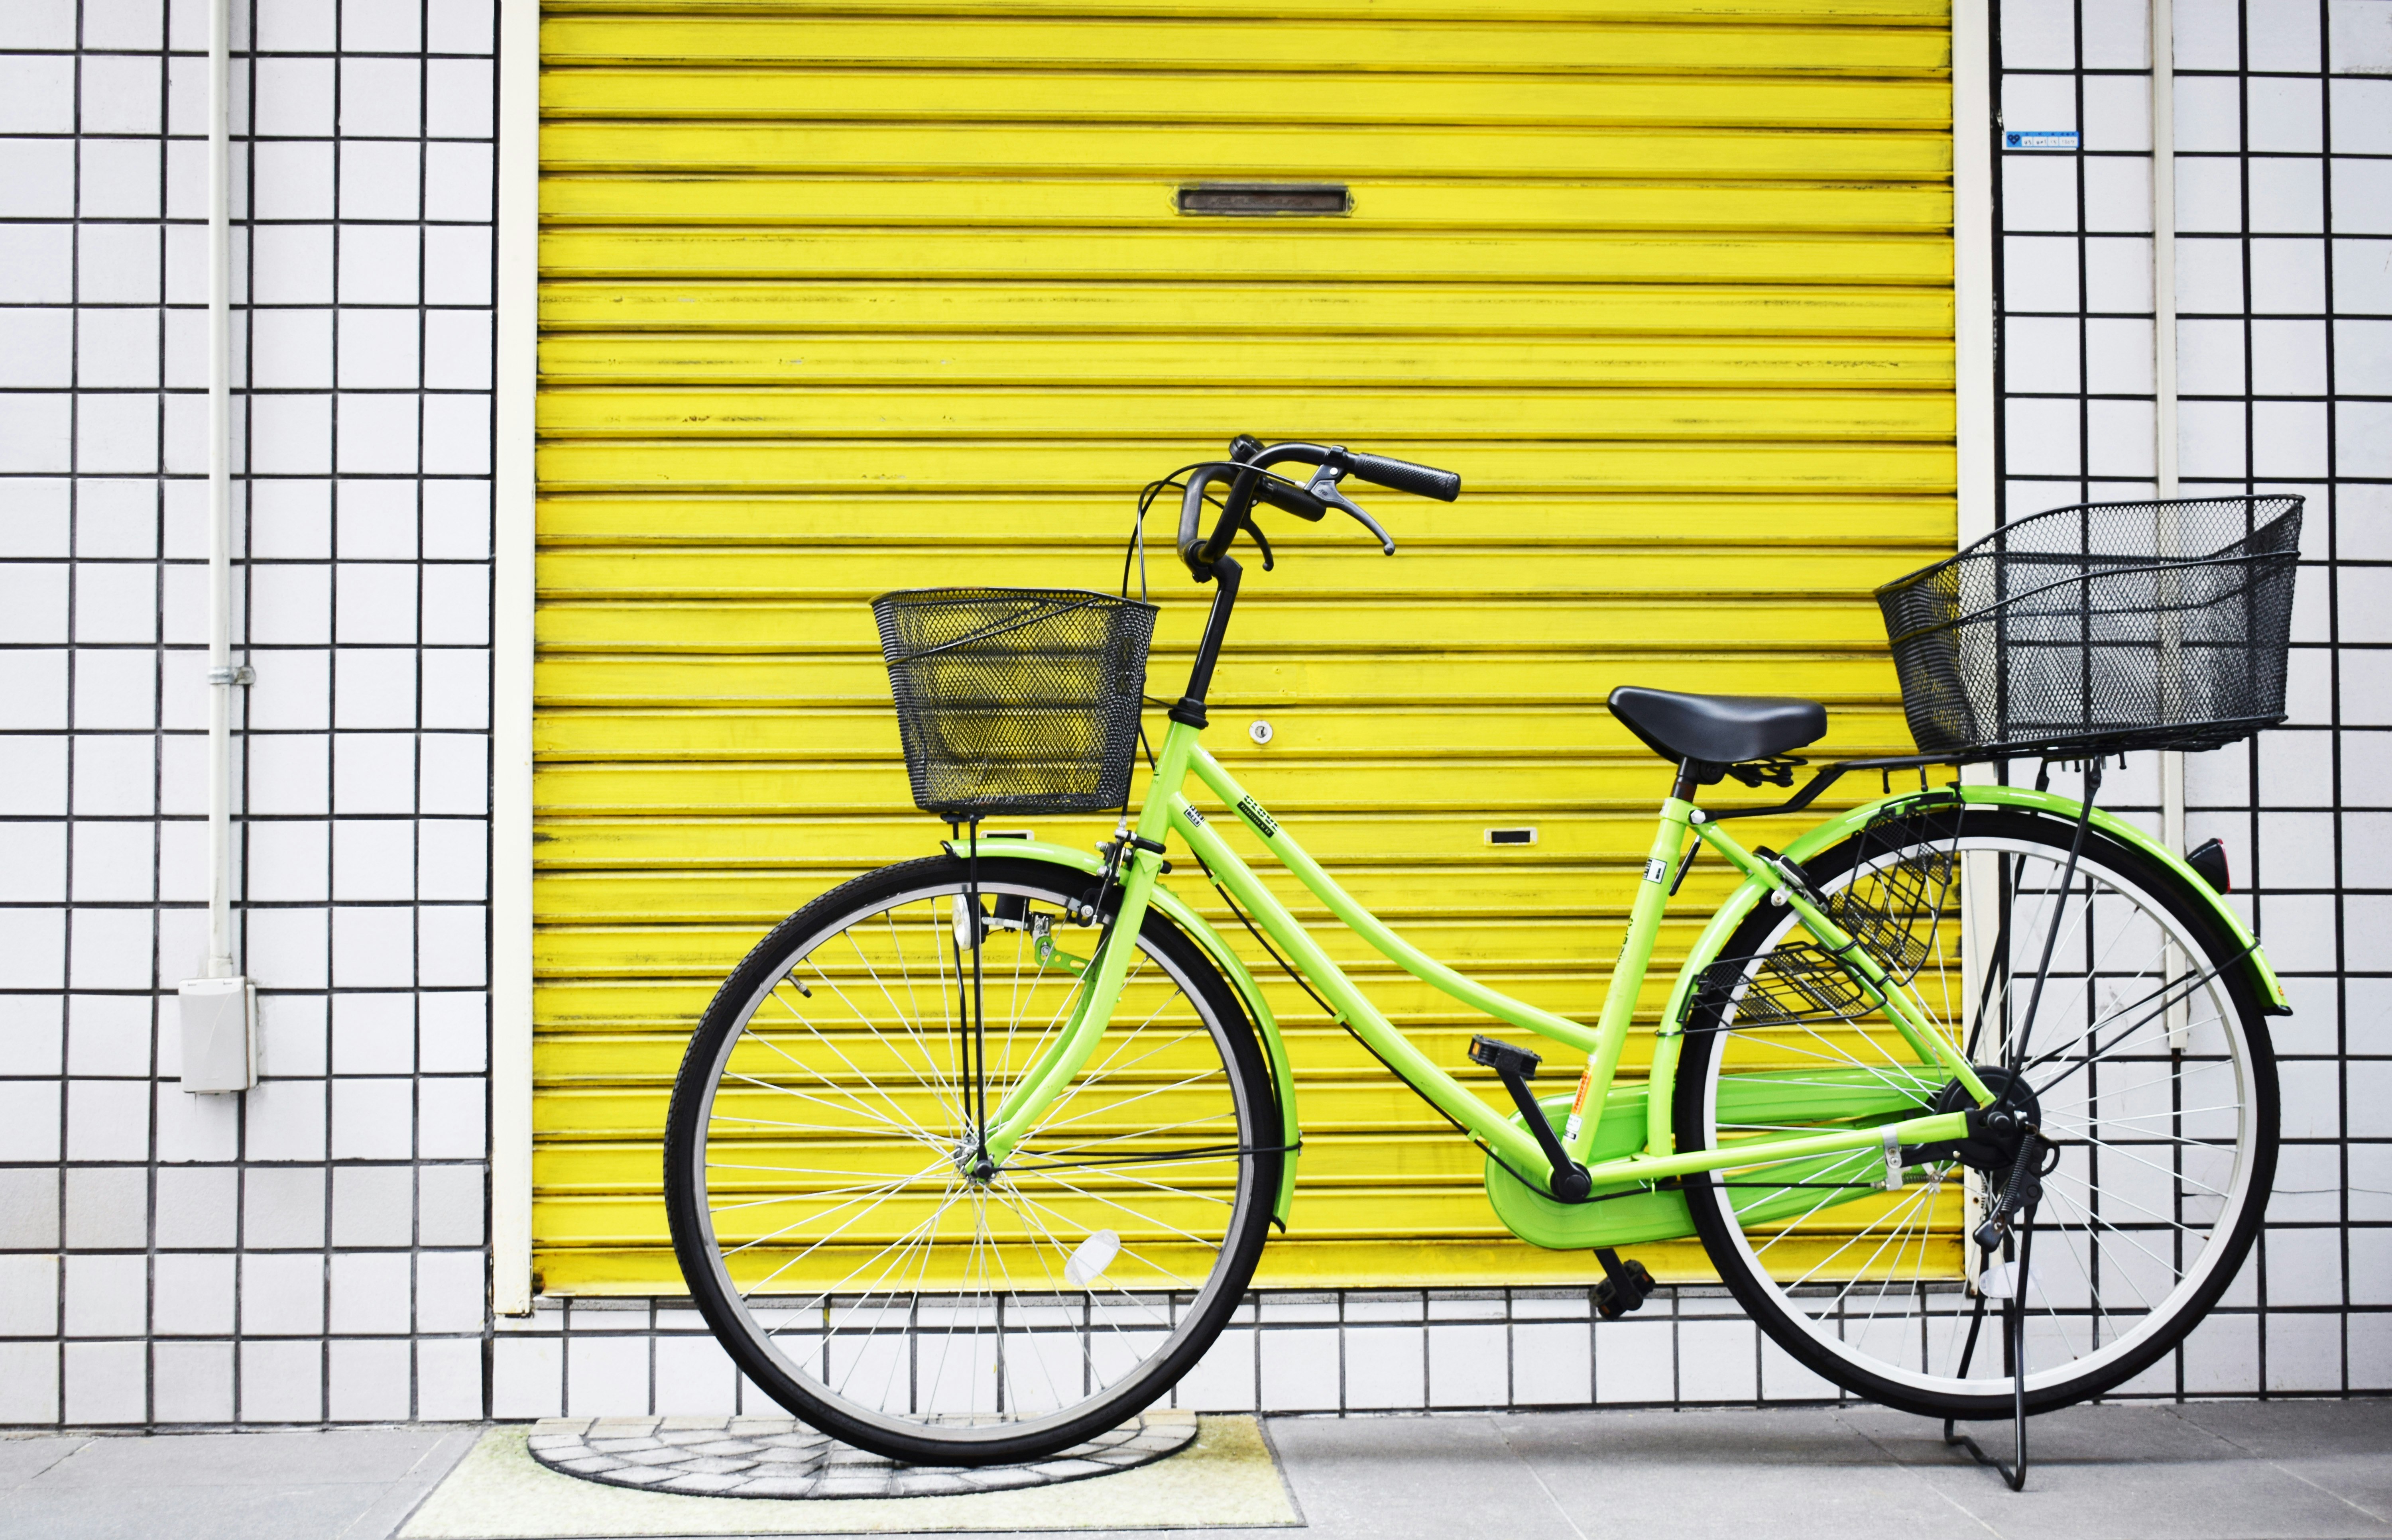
[[223, 679], [2163, 408], [1978, 475], [2164, 239], [1972, 267], [2163, 425]]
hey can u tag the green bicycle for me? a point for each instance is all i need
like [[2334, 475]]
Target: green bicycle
[[972, 1157]]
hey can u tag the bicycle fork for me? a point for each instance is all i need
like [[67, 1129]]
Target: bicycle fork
[[1140, 863]]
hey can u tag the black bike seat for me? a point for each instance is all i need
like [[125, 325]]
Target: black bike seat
[[1717, 730]]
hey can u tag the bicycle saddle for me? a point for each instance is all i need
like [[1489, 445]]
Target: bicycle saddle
[[1717, 729]]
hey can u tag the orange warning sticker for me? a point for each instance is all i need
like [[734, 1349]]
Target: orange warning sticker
[[1585, 1085]]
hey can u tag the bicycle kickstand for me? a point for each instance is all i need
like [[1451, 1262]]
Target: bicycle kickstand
[[2014, 1357], [2013, 1473]]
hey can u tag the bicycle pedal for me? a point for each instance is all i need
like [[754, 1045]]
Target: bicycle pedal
[[1504, 1058], [1624, 1286]]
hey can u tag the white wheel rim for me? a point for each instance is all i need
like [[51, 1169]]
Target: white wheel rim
[[939, 1341], [2049, 1309]]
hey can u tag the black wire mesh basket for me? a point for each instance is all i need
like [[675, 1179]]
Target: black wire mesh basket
[[2099, 628], [1016, 700]]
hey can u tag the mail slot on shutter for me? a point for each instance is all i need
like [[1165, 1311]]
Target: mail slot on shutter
[[1265, 200]]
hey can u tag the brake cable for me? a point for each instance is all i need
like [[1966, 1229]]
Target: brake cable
[[1263, 942], [1136, 548]]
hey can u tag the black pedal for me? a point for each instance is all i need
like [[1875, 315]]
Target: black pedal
[[1625, 1285], [1503, 1058]]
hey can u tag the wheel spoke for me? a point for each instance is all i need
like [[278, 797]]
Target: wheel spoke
[[949, 1095]]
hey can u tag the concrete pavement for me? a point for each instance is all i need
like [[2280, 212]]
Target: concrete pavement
[[346, 1484], [2232, 1471]]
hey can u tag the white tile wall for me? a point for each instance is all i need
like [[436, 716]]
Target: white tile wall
[[1334, 1352], [2280, 166], [308, 1251], [314, 1251]]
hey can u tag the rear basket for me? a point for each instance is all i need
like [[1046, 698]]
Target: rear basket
[[1900, 905], [1016, 700], [2101, 628]]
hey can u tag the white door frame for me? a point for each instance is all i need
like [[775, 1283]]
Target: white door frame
[[511, 637], [517, 380]]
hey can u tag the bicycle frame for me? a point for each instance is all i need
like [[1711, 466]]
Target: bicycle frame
[[1168, 810]]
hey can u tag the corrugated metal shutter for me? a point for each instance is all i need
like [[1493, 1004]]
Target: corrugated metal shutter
[[839, 302]]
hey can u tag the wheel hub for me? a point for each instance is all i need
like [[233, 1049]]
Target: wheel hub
[[1995, 1133], [973, 1161]]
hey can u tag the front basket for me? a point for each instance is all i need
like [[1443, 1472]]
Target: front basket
[[1015, 702]]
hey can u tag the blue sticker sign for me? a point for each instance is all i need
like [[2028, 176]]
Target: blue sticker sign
[[2039, 138]]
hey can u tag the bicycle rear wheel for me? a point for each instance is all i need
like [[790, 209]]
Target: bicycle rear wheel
[[838, 1233], [2146, 1060]]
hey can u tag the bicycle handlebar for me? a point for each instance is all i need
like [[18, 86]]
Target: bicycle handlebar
[[1249, 466]]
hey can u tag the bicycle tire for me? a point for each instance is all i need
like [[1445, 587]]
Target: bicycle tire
[[2111, 1165], [765, 1210]]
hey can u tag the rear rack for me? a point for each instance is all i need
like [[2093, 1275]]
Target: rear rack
[[1836, 770]]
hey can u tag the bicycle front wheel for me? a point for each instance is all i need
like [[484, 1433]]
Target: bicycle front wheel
[[842, 1237], [2145, 1059]]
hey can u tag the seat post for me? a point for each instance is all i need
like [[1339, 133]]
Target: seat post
[[1689, 778]]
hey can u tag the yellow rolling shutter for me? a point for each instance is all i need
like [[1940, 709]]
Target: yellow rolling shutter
[[842, 299]]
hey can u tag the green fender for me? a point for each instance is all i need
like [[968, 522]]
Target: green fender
[[1195, 925], [2262, 976]]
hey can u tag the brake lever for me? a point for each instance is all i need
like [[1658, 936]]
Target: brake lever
[[1324, 486], [1255, 529]]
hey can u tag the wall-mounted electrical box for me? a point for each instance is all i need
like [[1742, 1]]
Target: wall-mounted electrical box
[[219, 1034]]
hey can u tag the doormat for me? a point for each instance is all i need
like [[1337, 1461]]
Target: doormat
[[783, 1458], [1226, 1478]]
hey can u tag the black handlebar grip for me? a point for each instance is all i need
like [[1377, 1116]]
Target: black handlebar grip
[[1404, 476]]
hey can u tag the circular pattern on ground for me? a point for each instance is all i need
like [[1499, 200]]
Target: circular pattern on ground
[[783, 1458]]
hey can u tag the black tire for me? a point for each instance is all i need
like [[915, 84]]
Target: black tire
[[2118, 1141], [1177, 1104]]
